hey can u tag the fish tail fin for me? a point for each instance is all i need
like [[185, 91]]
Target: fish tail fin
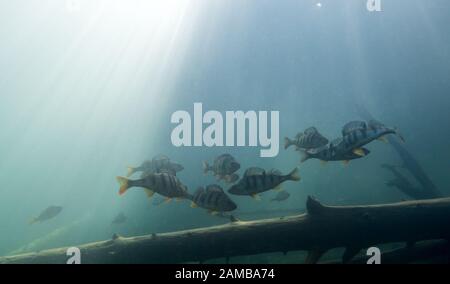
[[131, 171], [294, 175], [32, 221], [205, 167], [287, 142], [304, 156], [124, 185]]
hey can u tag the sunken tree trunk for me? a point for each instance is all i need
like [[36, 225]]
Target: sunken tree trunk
[[320, 229]]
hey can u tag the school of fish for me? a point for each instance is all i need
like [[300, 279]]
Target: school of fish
[[159, 175]]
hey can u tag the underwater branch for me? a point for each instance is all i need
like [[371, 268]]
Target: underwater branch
[[320, 229]]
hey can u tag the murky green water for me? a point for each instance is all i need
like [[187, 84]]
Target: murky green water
[[87, 90]]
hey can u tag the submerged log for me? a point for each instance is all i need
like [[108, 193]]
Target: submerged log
[[320, 229]]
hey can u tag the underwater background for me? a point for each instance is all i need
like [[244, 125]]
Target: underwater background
[[88, 88]]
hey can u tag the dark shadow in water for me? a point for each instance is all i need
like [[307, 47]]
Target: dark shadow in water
[[409, 162]]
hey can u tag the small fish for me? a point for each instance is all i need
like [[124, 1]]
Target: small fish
[[359, 137], [335, 151], [47, 214], [120, 219], [257, 180], [224, 168], [309, 139], [281, 196], [213, 198], [159, 164], [164, 184]]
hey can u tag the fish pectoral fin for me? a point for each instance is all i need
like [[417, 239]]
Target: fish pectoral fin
[[256, 197], [194, 205], [323, 162], [149, 192], [346, 162], [168, 199], [213, 212], [130, 171], [178, 199], [359, 152], [294, 175], [278, 188], [383, 139]]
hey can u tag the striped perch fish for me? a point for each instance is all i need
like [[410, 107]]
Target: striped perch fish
[[257, 180], [309, 139], [164, 184], [359, 133], [223, 168], [212, 198], [356, 134], [335, 151]]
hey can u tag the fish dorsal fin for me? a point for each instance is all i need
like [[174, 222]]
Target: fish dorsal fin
[[373, 124], [353, 126], [254, 171], [160, 157], [275, 172], [310, 130], [225, 156], [199, 190], [214, 188]]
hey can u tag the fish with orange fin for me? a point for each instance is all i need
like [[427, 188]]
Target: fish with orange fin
[[308, 139], [224, 168], [257, 180], [164, 184], [213, 198], [335, 151], [359, 133]]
